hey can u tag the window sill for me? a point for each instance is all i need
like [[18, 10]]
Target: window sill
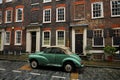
[[97, 18]]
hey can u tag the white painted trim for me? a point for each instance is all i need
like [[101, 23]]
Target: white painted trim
[[7, 15], [44, 1], [15, 38], [28, 42], [37, 41], [28, 39], [96, 51], [111, 9], [57, 37], [102, 14], [102, 37], [16, 20], [44, 15], [73, 40], [57, 14], [9, 38], [43, 38], [84, 40], [2, 39]]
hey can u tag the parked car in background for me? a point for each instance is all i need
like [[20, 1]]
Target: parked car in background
[[56, 56]]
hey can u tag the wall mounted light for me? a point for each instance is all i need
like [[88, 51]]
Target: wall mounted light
[[12, 27]]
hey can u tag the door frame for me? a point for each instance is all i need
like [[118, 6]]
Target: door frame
[[28, 39], [84, 38]]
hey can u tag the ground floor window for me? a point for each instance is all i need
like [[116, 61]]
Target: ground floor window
[[18, 37], [60, 38], [7, 38], [46, 38], [98, 40], [116, 37], [0, 39]]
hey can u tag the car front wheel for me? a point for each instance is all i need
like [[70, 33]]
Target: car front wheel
[[34, 64], [68, 67]]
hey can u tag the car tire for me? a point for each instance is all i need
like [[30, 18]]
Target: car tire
[[34, 64], [68, 66]]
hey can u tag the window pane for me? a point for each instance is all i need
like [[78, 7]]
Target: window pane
[[97, 10], [7, 39], [46, 38], [8, 16], [60, 14], [19, 14], [0, 16], [60, 38], [116, 7], [18, 37], [47, 15], [0, 1]]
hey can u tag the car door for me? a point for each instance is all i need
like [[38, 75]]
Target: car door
[[49, 54], [59, 56]]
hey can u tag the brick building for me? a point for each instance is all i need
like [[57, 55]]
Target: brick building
[[13, 19], [72, 23]]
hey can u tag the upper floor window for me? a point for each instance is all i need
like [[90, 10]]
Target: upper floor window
[[60, 14], [60, 38], [47, 1], [8, 16], [1, 1], [8, 0], [18, 37], [0, 17], [47, 16], [97, 10], [115, 8], [7, 38], [79, 12], [19, 15]]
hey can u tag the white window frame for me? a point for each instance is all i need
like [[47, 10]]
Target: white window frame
[[57, 38], [112, 39], [103, 39], [44, 45], [1, 1], [8, 0], [57, 14], [6, 19], [102, 15], [112, 8], [1, 17], [7, 43], [17, 15], [16, 37], [45, 15], [45, 1]]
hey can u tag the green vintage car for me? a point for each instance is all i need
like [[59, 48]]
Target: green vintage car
[[56, 56]]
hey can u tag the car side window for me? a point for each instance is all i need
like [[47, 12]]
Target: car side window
[[59, 51], [47, 50]]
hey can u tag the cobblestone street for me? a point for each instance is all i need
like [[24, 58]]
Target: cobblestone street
[[10, 70]]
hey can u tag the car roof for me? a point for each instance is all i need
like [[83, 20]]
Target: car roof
[[63, 47]]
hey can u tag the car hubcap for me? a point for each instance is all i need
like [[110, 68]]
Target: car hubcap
[[34, 64], [68, 67]]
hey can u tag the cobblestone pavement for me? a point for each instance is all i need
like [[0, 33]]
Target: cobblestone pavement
[[10, 70]]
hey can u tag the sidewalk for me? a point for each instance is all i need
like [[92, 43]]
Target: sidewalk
[[24, 57]]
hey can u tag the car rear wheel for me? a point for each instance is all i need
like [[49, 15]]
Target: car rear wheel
[[69, 67], [34, 64]]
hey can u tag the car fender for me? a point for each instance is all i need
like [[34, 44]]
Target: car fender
[[41, 59], [76, 62]]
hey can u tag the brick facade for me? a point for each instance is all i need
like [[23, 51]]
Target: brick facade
[[79, 23]]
